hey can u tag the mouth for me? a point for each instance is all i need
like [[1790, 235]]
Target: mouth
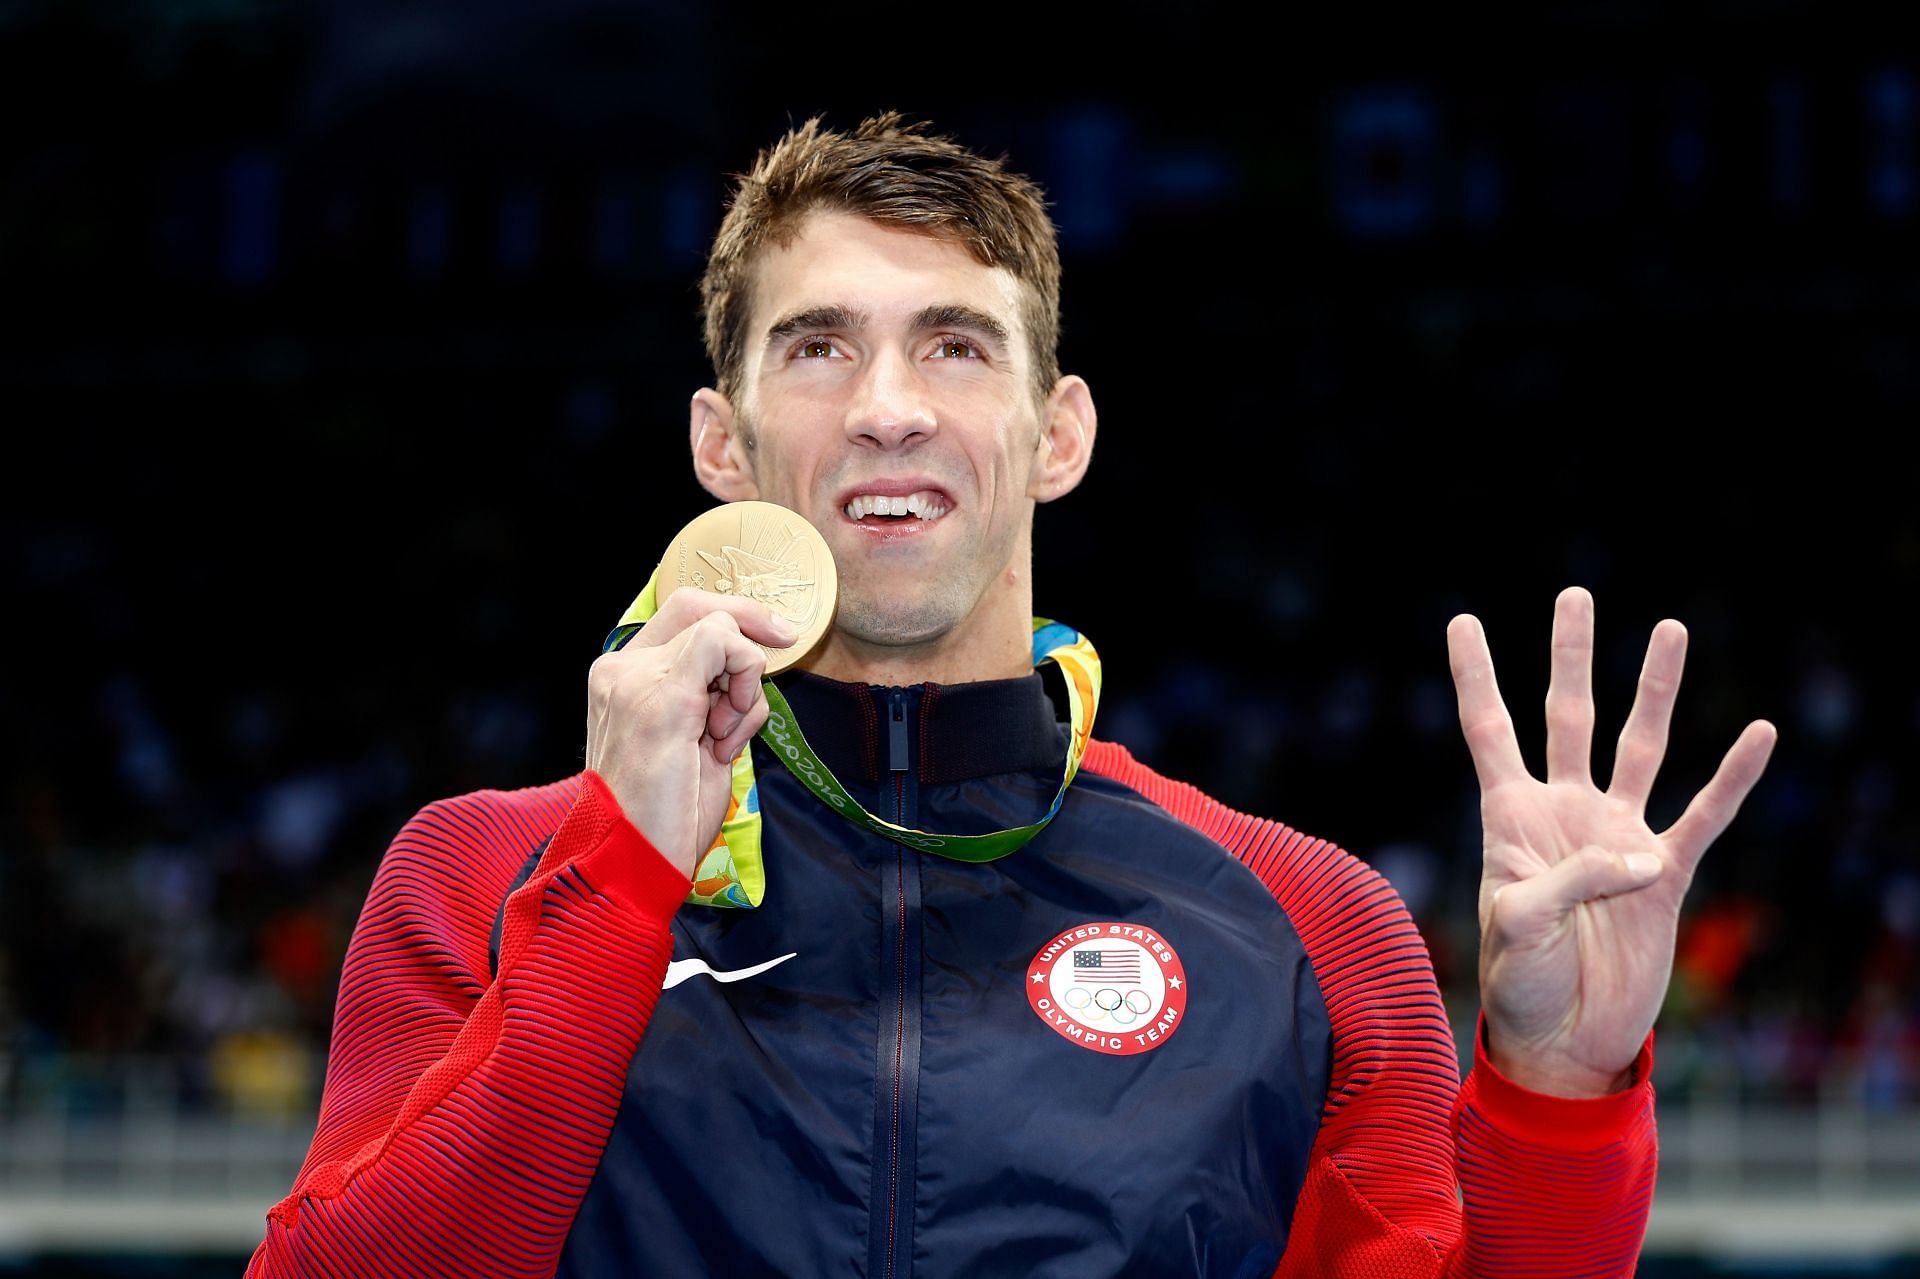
[[918, 506]]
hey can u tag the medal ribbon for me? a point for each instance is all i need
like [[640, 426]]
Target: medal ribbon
[[731, 872]]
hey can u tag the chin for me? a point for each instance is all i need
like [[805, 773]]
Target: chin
[[900, 624]]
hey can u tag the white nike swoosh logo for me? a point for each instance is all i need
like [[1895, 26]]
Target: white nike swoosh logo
[[681, 969]]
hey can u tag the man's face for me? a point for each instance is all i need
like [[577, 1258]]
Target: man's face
[[887, 397]]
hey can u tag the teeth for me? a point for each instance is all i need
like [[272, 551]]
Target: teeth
[[925, 504]]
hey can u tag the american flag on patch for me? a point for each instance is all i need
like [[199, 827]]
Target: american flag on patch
[[1109, 967]]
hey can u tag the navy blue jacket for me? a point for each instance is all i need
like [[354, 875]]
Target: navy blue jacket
[[889, 1102]]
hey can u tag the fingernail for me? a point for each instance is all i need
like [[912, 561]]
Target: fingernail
[[1644, 865], [785, 630]]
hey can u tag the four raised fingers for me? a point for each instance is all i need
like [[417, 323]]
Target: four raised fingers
[[1570, 719]]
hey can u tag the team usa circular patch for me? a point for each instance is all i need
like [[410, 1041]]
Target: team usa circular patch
[[1110, 987]]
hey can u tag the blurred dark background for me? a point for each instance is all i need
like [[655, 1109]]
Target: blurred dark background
[[344, 356]]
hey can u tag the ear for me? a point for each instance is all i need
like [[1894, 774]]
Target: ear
[[721, 459], [1066, 445]]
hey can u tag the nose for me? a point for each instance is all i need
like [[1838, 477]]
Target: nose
[[891, 404]]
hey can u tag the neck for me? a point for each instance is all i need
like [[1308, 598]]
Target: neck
[[850, 660]]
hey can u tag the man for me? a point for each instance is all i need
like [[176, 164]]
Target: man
[[1155, 1037]]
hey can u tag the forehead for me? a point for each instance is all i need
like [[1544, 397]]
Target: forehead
[[843, 259]]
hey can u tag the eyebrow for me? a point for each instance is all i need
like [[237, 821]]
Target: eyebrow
[[816, 317], [963, 317], [947, 316]]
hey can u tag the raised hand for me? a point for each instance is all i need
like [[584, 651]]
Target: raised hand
[[667, 714], [1579, 898]]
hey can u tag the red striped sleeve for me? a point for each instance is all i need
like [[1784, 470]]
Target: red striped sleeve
[[463, 1117], [1551, 1186]]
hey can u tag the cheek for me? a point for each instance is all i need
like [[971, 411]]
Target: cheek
[[1014, 459], [798, 480]]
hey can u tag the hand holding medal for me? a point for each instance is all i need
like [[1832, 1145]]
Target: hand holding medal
[[744, 590]]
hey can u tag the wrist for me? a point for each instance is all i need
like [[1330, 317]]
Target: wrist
[[637, 837], [1552, 1075], [1561, 1123]]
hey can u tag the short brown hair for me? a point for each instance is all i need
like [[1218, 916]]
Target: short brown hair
[[897, 174]]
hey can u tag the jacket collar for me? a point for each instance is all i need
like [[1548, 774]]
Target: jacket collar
[[956, 731]]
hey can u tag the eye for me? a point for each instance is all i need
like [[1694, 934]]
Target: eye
[[816, 349], [952, 348]]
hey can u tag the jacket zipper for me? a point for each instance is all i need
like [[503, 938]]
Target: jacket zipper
[[899, 1049], [899, 765]]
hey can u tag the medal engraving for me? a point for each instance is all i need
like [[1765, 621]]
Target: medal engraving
[[762, 552]]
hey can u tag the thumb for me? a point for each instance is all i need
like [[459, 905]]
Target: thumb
[[1526, 907]]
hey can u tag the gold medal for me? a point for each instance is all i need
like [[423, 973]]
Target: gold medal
[[763, 552]]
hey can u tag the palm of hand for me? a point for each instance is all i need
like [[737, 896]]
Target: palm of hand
[[1579, 897], [1585, 985]]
